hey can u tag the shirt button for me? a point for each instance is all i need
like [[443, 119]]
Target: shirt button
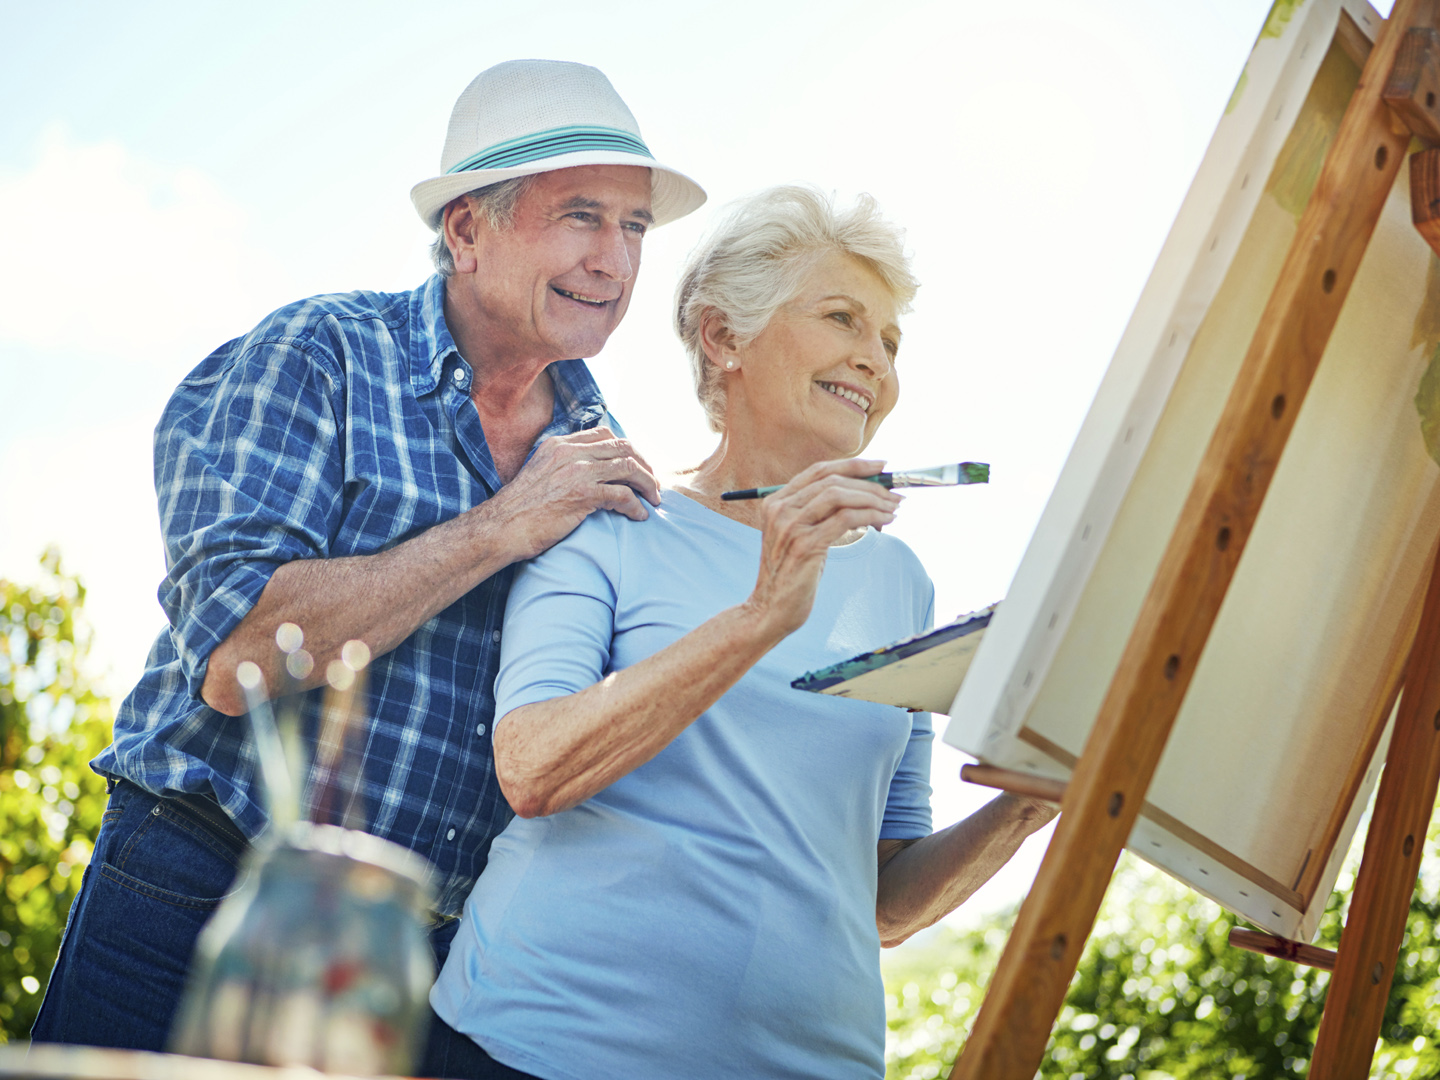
[[480, 730], [495, 636], [450, 835], [459, 375]]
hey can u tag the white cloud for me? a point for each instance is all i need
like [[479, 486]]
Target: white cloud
[[109, 255], [89, 490], [119, 275]]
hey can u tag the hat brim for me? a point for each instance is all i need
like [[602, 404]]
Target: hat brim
[[672, 193]]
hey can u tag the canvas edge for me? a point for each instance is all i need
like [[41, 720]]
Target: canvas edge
[[992, 703], [1015, 656]]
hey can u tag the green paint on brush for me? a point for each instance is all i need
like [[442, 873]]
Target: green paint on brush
[[966, 472]]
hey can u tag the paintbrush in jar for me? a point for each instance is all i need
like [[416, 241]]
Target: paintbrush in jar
[[336, 773]]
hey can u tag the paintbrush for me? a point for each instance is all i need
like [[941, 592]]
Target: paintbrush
[[966, 472], [336, 771], [269, 748]]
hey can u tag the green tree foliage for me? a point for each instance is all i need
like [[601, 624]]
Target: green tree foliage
[[52, 722], [1160, 995]]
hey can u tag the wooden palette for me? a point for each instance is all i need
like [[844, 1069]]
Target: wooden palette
[[921, 673]]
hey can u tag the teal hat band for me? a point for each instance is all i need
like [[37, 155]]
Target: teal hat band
[[552, 143]]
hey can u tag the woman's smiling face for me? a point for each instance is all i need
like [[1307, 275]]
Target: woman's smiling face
[[821, 375]]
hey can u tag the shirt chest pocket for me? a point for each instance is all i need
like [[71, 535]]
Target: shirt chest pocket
[[398, 484]]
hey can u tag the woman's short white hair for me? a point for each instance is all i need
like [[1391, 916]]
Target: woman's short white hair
[[756, 259]]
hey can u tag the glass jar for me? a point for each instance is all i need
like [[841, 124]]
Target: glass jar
[[320, 958]]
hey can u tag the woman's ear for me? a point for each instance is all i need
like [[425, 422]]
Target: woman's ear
[[718, 341]]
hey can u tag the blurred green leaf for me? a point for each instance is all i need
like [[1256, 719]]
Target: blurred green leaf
[[52, 722], [1160, 995]]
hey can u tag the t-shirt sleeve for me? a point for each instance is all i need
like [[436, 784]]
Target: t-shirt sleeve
[[907, 807], [560, 618], [248, 473]]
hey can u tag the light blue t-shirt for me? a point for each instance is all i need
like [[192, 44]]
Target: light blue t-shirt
[[712, 913]]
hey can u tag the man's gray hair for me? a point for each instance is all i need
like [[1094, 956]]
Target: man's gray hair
[[756, 260], [495, 202]]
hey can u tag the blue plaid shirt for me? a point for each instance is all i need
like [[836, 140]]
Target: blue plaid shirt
[[341, 425]]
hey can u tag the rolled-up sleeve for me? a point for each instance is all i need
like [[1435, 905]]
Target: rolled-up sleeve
[[249, 477]]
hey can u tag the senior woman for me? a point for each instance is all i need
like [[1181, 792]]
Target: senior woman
[[706, 861]]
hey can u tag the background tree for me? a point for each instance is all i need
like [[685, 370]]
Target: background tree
[[1160, 995], [52, 722]]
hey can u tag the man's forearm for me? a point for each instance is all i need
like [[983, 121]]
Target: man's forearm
[[378, 599], [922, 882]]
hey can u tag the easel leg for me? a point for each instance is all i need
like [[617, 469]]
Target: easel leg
[[1365, 966]]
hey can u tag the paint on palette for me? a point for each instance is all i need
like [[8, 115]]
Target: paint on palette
[[827, 677]]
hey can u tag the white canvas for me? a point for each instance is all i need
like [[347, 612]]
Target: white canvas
[[1278, 743]]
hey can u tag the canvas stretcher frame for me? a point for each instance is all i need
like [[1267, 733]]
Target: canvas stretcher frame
[[1278, 743]]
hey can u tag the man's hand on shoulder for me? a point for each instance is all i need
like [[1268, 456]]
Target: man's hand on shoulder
[[568, 478], [380, 599]]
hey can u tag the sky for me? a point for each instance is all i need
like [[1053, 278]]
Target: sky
[[170, 172]]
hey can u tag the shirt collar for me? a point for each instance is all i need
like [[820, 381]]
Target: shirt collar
[[431, 342], [577, 396]]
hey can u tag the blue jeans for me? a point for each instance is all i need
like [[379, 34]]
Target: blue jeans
[[452, 1056], [159, 870]]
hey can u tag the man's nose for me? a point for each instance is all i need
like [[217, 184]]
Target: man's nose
[[610, 255]]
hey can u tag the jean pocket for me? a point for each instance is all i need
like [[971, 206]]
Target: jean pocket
[[175, 857]]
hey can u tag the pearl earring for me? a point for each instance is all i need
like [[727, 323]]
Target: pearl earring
[[729, 365]]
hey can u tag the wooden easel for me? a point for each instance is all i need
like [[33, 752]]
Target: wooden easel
[[1398, 97]]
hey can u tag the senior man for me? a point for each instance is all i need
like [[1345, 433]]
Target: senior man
[[369, 467]]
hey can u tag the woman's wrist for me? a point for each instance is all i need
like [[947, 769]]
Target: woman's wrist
[[764, 624], [1032, 813]]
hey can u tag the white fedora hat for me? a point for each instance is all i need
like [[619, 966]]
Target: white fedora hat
[[530, 116]]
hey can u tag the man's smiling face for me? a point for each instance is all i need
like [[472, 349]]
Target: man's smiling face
[[556, 283]]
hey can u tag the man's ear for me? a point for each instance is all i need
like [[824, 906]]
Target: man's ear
[[459, 225], [718, 341]]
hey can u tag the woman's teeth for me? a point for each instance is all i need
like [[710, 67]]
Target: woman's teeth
[[583, 299], [848, 395]]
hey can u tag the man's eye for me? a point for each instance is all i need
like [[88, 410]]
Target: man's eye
[[637, 227]]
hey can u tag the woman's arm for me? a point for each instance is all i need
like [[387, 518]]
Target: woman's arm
[[922, 881], [552, 755]]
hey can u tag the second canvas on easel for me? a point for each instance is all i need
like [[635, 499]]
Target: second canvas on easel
[[1276, 748]]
